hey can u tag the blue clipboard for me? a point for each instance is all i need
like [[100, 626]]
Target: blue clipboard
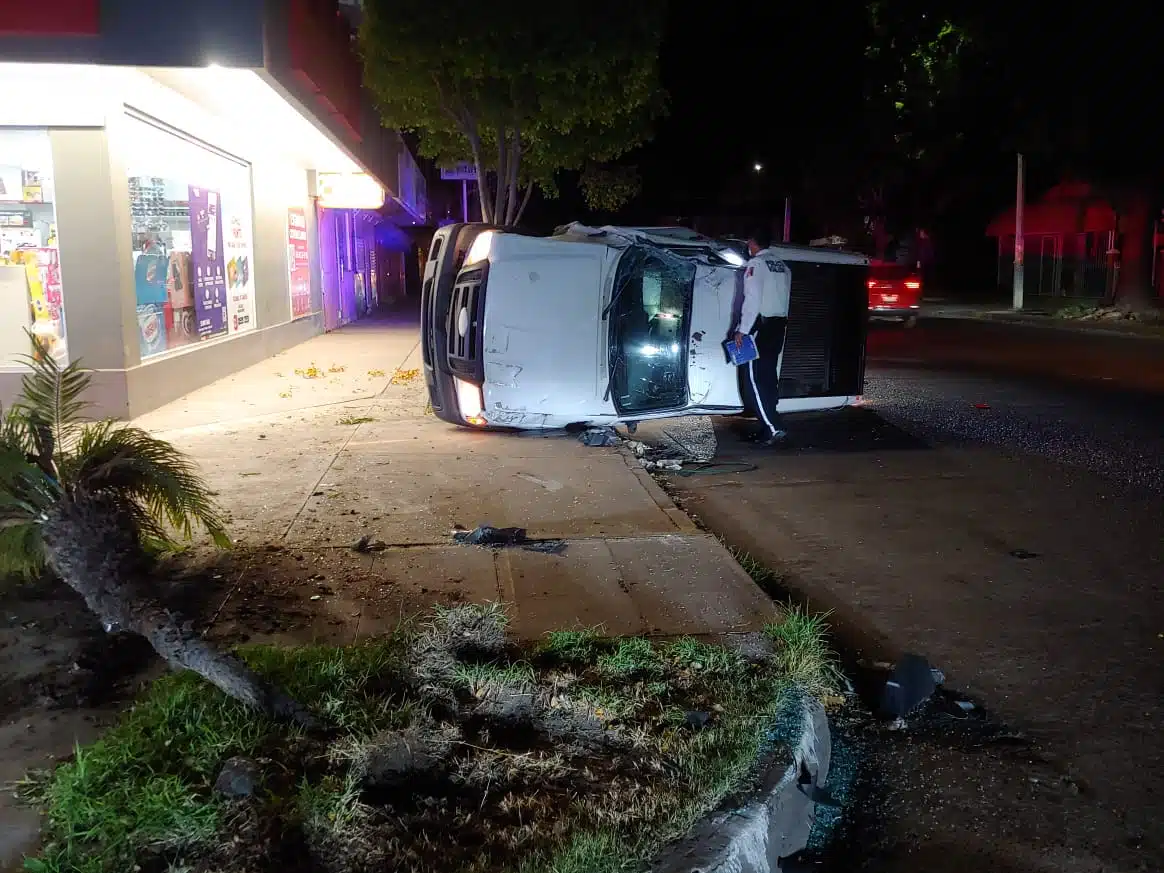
[[745, 352]]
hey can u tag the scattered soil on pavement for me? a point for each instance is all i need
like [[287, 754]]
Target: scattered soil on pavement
[[54, 654], [62, 678]]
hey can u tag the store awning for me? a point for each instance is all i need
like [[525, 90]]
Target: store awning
[[248, 104], [253, 102]]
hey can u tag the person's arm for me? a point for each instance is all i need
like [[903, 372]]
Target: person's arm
[[750, 310], [783, 296]]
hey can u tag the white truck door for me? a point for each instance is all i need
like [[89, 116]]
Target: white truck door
[[712, 380]]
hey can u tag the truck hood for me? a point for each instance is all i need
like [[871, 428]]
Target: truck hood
[[545, 348]]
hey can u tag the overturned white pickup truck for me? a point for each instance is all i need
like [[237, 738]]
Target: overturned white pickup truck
[[595, 326]]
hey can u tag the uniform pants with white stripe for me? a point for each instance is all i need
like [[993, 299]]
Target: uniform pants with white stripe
[[760, 379]]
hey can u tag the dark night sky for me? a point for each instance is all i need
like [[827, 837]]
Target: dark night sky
[[748, 83], [782, 84]]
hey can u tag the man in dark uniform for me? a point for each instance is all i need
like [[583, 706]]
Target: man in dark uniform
[[764, 315]]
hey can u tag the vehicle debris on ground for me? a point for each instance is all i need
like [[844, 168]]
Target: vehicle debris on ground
[[599, 437], [491, 537]]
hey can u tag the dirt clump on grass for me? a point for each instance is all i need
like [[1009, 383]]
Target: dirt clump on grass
[[450, 749]]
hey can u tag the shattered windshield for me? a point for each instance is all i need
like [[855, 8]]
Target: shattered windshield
[[649, 322]]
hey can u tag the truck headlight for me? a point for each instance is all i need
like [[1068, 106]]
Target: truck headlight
[[479, 250], [471, 402]]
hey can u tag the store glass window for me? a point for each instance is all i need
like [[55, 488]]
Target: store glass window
[[190, 209], [30, 272]]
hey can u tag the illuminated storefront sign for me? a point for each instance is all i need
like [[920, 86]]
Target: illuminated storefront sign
[[349, 191]]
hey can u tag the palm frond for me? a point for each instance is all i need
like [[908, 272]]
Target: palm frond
[[151, 531], [53, 400], [27, 493], [21, 551], [159, 483], [14, 431]]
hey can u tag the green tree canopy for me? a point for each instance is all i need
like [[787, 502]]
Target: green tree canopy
[[917, 63], [609, 187], [955, 90], [522, 90]]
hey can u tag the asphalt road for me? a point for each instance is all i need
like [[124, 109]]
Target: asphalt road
[[1088, 400], [1083, 416], [998, 508], [1131, 362]]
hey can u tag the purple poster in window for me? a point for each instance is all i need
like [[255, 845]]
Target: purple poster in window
[[208, 274]]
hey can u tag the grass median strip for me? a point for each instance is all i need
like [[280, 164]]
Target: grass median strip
[[449, 748]]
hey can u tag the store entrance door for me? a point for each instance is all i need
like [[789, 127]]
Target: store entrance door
[[330, 268]]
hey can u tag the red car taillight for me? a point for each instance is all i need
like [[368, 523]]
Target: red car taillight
[[888, 289]]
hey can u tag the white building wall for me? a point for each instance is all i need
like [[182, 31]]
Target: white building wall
[[92, 143]]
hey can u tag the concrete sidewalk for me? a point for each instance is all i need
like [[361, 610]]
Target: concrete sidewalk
[[312, 465], [1036, 588], [330, 442]]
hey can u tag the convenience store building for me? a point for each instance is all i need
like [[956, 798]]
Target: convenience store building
[[184, 195]]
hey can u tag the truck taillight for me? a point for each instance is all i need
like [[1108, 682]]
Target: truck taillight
[[913, 284]]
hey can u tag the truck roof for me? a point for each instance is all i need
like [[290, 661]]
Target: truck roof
[[787, 251], [680, 239]]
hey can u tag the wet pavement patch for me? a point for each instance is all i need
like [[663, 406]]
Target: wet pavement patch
[[850, 430]]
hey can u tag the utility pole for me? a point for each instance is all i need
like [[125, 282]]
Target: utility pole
[[1018, 236], [787, 219], [465, 200]]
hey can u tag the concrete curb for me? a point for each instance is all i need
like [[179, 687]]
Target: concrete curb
[[1140, 332], [678, 517], [774, 821]]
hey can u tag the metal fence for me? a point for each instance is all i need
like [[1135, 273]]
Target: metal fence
[[1076, 266]]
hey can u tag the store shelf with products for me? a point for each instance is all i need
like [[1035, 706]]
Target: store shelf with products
[[159, 213], [30, 275], [26, 224], [31, 302]]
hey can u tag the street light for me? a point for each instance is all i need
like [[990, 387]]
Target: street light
[[758, 167]]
